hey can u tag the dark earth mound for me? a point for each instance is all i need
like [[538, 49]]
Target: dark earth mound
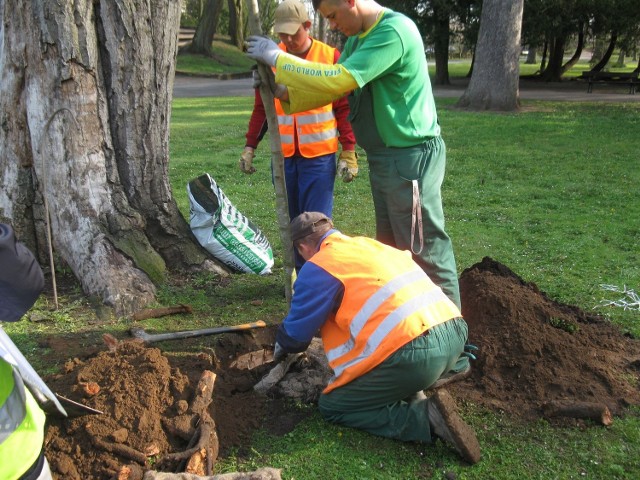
[[532, 350]]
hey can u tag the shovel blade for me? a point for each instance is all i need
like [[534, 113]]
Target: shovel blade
[[76, 409]]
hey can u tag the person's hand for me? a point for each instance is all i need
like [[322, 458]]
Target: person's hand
[[263, 49], [348, 165], [277, 89], [255, 76], [278, 352], [246, 160]]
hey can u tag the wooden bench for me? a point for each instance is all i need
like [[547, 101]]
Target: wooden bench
[[612, 78]]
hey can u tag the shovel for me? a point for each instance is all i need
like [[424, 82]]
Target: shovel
[[150, 338], [51, 403], [72, 408]]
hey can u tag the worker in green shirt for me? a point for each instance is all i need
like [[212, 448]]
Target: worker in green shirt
[[383, 69]]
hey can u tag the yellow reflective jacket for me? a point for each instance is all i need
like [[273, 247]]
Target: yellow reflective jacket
[[22, 424]]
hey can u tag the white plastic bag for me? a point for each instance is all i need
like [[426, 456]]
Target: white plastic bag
[[225, 232]]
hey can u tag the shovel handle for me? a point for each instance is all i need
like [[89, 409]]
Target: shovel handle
[[197, 333]]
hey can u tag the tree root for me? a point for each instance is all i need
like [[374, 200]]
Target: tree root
[[597, 412], [204, 442], [119, 449], [161, 312]]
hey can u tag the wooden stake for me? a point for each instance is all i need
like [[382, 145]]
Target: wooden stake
[[277, 159]]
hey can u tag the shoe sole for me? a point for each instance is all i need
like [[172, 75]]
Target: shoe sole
[[465, 438], [456, 377]]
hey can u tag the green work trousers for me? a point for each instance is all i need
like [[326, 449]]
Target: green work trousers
[[375, 402], [406, 187], [405, 184]]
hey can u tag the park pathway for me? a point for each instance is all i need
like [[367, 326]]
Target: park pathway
[[193, 86]]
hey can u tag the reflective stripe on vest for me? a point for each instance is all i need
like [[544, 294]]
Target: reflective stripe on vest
[[13, 410], [390, 321], [388, 301], [316, 129]]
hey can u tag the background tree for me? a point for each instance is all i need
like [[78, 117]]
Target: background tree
[[110, 66], [236, 22], [495, 78], [206, 29]]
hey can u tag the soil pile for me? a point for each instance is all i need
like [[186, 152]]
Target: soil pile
[[532, 350], [144, 394]]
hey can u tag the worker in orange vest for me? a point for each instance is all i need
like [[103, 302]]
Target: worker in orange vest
[[388, 331], [309, 139]]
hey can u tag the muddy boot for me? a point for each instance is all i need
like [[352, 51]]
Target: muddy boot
[[447, 425], [451, 377]]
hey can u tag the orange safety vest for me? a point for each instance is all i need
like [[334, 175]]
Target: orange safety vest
[[388, 301], [317, 129]]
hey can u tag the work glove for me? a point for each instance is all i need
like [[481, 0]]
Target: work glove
[[263, 49], [348, 165], [246, 160], [277, 89], [278, 352]]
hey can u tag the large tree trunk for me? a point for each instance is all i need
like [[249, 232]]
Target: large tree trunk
[[496, 71], [236, 22], [206, 28], [85, 100]]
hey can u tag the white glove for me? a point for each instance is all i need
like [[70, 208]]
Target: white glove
[[263, 49], [246, 160]]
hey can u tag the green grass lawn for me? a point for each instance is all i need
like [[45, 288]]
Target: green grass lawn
[[551, 192]]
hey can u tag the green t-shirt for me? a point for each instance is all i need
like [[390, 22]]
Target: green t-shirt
[[390, 57]]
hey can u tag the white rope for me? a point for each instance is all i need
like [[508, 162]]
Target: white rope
[[630, 300]]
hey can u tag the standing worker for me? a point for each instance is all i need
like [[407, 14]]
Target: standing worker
[[388, 332], [309, 138], [22, 421], [394, 118]]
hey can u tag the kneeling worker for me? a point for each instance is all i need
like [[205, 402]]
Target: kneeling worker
[[388, 331]]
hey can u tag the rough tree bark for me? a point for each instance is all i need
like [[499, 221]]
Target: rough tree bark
[[496, 71], [85, 102]]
